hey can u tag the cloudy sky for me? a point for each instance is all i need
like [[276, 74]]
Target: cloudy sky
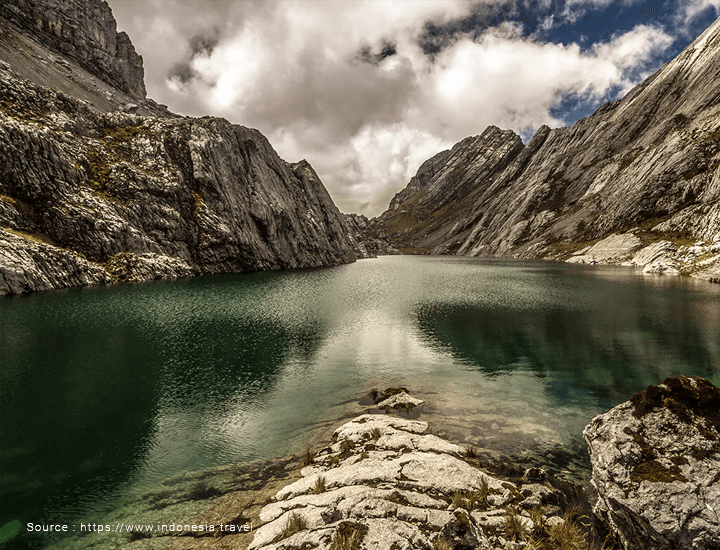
[[366, 90]]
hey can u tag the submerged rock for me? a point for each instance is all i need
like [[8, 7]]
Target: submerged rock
[[656, 467], [398, 401]]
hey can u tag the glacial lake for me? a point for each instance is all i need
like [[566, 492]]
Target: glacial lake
[[106, 392]]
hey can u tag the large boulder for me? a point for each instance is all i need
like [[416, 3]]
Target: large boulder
[[656, 467]]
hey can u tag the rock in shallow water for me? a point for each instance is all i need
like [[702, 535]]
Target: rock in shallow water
[[656, 467], [386, 483]]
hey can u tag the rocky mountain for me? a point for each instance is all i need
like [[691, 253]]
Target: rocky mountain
[[94, 189], [369, 241], [643, 171], [87, 33]]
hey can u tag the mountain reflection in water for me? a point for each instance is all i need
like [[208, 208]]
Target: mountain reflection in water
[[106, 391]]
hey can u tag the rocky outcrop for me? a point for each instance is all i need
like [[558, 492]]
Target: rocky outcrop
[[436, 210], [385, 482], [660, 258], [87, 197], [643, 169], [86, 32], [612, 249], [656, 467], [367, 238]]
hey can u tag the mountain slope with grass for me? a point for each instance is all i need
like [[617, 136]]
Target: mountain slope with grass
[[99, 184], [644, 170]]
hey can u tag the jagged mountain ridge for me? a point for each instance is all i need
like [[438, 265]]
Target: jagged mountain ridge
[[91, 193], [648, 163]]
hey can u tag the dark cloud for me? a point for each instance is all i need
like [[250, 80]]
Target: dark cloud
[[366, 54], [183, 72], [199, 46], [203, 45], [436, 37]]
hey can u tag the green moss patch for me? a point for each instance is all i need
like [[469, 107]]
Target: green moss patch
[[654, 471]]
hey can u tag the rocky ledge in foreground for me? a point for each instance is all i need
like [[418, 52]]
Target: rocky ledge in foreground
[[656, 467], [385, 483]]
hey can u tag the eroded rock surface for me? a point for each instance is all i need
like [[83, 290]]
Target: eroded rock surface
[[656, 467], [369, 239], [387, 483], [85, 31], [89, 197]]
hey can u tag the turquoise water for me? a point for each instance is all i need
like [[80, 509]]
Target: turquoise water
[[106, 391]]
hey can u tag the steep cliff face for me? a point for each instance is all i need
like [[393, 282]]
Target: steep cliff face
[[435, 210], [89, 197], [94, 189], [648, 164], [85, 31], [367, 238]]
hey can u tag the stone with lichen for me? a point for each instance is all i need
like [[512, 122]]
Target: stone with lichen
[[656, 467]]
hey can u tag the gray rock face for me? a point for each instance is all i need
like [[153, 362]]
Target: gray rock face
[[368, 239], [87, 197], [436, 210], [648, 164], [656, 467], [612, 249], [85, 31]]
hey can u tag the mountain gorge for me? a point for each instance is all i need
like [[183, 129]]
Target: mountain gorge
[[637, 182], [100, 184]]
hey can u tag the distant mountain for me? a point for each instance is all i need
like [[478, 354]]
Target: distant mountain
[[638, 182], [100, 184]]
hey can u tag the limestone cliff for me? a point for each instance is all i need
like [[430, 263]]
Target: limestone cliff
[[93, 190], [648, 165]]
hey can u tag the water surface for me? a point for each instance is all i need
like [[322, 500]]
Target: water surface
[[107, 391]]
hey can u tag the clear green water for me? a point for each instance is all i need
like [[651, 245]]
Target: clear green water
[[107, 391]]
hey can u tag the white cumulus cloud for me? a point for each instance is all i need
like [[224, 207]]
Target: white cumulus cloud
[[293, 70]]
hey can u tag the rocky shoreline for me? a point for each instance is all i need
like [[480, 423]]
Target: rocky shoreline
[[386, 482]]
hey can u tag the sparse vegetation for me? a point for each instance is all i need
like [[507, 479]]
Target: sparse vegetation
[[35, 237], [346, 445], [349, 536], [470, 452], [442, 543], [459, 500], [540, 526], [513, 526], [308, 458], [375, 434], [319, 486], [295, 524]]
